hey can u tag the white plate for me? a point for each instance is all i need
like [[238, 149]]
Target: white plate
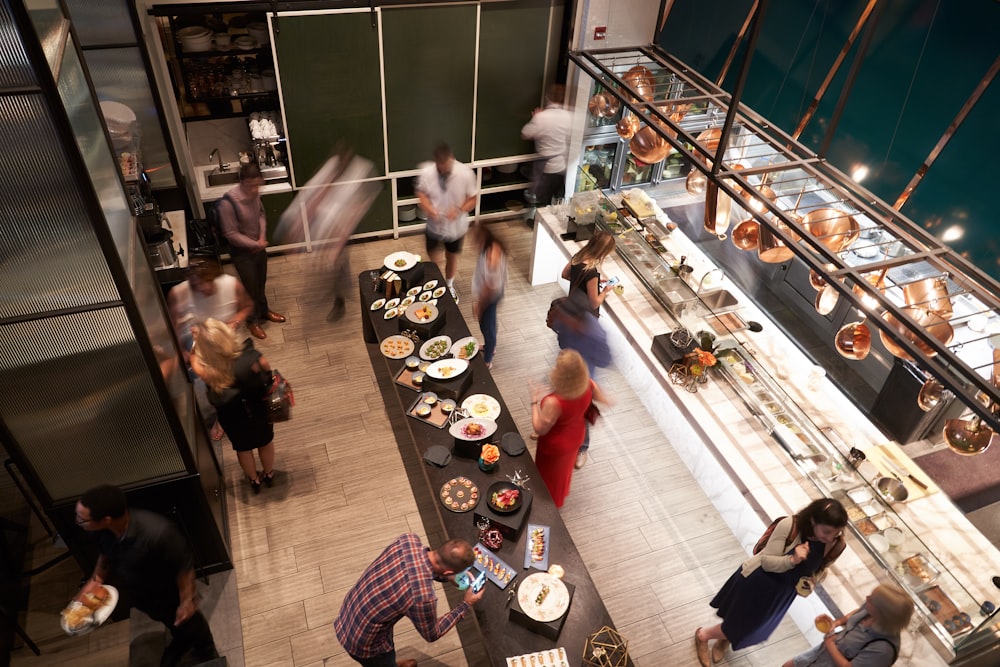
[[409, 261], [441, 345], [245, 42], [447, 369], [411, 312], [458, 349], [425, 296], [430, 284], [391, 303], [555, 603], [100, 615], [377, 303], [439, 292], [482, 406], [413, 291], [397, 347], [406, 302], [391, 313], [460, 429]]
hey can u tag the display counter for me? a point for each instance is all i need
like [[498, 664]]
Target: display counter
[[766, 432]]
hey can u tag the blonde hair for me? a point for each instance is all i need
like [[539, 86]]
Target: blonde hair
[[569, 377], [216, 347], [893, 608], [591, 255]]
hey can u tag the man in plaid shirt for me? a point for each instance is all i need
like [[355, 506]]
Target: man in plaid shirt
[[399, 583]]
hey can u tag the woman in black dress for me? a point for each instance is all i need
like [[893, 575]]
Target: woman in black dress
[[238, 378], [584, 272], [756, 597]]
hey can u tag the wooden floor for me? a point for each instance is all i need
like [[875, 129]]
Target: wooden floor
[[655, 546]]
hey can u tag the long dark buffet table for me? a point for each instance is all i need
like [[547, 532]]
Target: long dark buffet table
[[501, 637]]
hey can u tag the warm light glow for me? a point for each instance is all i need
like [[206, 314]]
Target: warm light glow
[[953, 233], [859, 173]]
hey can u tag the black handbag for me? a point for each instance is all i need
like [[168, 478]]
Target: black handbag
[[279, 399]]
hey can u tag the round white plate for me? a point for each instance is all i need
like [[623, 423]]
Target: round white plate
[[397, 347], [377, 303], [555, 603], [441, 345], [447, 369], [100, 615], [461, 429], [391, 303], [430, 284], [391, 313], [458, 349], [482, 406], [408, 261], [415, 313]]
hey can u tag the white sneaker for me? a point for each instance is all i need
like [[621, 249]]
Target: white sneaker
[[581, 460], [454, 293]]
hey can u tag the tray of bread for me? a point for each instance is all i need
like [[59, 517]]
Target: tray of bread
[[89, 611]]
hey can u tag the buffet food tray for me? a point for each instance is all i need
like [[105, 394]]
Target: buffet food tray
[[437, 416], [497, 571], [917, 571], [405, 378], [555, 657], [944, 610]]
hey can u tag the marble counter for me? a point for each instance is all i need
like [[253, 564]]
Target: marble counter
[[747, 474]]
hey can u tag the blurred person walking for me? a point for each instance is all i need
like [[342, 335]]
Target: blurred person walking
[[238, 379], [488, 283], [550, 128], [244, 224], [559, 418], [447, 192]]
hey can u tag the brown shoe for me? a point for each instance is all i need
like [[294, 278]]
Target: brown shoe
[[719, 649], [701, 647], [276, 317], [407, 663], [256, 331]]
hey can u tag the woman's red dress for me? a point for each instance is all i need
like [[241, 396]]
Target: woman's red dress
[[557, 449]]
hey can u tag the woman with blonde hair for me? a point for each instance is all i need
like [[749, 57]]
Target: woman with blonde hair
[[558, 418], [871, 635], [238, 378], [584, 272]]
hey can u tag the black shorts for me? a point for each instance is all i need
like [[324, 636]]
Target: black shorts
[[433, 243]]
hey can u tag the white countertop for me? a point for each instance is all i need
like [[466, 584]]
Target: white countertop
[[206, 193], [733, 457]]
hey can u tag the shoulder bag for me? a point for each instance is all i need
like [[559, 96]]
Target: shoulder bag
[[279, 399]]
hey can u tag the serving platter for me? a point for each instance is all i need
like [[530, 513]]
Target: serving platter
[[497, 571], [460, 350], [555, 657], [553, 593], [439, 292], [397, 347], [429, 412], [99, 616], [447, 369], [482, 406], [536, 547], [390, 314], [401, 261], [377, 304], [435, 348], [429, 285], [422, 312], [459, 494], [471, 429], [498, 488]]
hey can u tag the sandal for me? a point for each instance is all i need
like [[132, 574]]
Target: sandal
[[719, 649], [701, 648], [268, 478], [255, 485], [217, 432]]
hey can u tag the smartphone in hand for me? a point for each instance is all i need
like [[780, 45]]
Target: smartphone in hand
[[479, 582]]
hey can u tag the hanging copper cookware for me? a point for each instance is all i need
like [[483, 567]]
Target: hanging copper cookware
[[854, 341], [649, 146], [835, 229], [641, 80], [816, 281], [932, 323], [673, 111], [628, 126], [967, 436], [718, 205], [746, 235], [696, 182], [709, 139], [770, 248], [930, 294], [931, 393], [826, 300], [603, 105]]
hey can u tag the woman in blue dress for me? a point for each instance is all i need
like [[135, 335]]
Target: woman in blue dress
[[756, 597]]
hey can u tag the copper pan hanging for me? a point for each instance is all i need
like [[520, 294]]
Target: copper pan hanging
[[649, 146], [696, 182], [931, 323], [746, 235], [967, 436], [854, 341], [628, 126], [718, 205], [834, 229], [816, 281], [826, 300], [603, 105], [770, 248], [930, 294], [641, 80], [931, 393]]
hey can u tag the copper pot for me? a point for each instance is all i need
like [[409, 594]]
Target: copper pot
[[816, 281], [771, 249], [967, 436], [930, 294], [628, 126], [717, 207], [674, 111], [641, 80], [753, 202], [746, 235], [930, 322], [603, 105], [648, 146], [709, 139], [834, 229], [696, 182], [854, 340], [826, 300], [931, 393]]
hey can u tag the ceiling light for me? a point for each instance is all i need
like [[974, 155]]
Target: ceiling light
[[859, 173], [953, 233]]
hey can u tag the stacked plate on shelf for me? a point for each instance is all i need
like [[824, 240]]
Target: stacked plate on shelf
[[195, 38]]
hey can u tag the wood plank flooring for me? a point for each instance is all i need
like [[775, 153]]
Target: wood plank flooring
[[654, 544]]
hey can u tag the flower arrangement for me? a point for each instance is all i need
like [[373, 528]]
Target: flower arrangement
[[490, 454], [700, 360]]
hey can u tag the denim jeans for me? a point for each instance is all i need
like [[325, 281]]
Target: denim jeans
[[488, 325]]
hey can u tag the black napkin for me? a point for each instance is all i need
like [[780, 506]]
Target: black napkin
[[512, 443], [438, 455]]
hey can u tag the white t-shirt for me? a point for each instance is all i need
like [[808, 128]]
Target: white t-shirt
[[452, 193], [197, 307], [550, 129]]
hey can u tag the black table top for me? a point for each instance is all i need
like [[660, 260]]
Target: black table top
[[500, 636]]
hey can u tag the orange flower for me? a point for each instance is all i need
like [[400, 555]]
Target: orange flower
[[705, 358], [490, 454]]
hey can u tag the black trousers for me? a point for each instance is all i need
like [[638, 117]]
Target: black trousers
[[252, 269], [193, 634]]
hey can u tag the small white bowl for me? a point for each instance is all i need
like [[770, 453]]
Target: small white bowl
[[879, 542], [894, 537]]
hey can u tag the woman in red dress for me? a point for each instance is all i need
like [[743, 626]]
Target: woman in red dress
[[558, 419]]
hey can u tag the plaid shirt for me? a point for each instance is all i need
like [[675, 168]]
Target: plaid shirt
[[399, 583]]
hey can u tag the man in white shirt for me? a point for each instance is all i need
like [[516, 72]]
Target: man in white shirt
[[447, 192], [550, 129]]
